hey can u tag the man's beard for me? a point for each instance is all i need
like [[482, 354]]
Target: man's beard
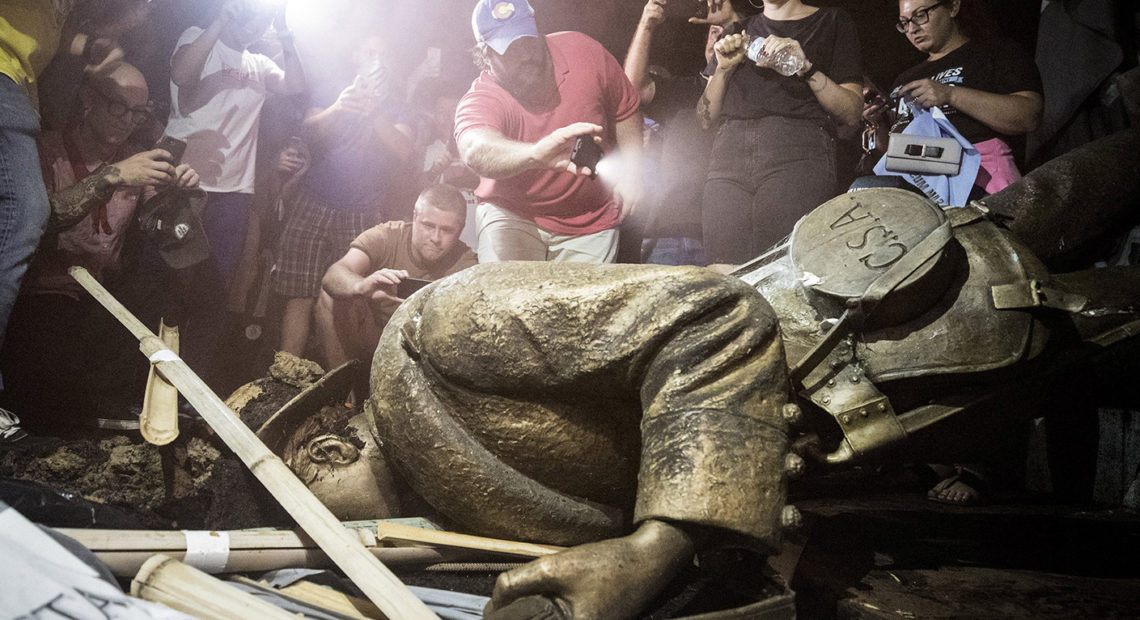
[[533, 85]]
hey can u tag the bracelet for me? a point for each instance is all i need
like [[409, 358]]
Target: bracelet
[[807, 76]]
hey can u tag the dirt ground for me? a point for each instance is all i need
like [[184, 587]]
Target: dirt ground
[[196, 482]]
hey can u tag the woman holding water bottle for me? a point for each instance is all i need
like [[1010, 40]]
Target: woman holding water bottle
[[779, 84]]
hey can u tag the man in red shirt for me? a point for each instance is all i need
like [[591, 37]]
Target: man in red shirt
[[517, 125]]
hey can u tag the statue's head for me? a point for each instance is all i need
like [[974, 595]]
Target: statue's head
[[328, 445], [335, 455]]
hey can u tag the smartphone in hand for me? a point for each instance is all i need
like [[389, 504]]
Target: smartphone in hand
[[586, 154], [174, 146], [407, 286]]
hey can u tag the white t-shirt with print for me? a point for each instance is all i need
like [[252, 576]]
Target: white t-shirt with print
[[218, 118]]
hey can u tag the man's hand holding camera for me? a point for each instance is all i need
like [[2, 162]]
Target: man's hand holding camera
[[356, 101], [151, 167], [554, 151], [380, 285]]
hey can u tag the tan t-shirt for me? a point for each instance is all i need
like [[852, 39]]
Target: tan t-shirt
[[389, 246]]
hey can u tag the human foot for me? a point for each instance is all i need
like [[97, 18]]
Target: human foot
[[609, 579], [961, 489]]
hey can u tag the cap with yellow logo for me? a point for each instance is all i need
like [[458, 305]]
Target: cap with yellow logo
[[499, 22]]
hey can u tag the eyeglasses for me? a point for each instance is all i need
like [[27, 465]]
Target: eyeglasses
[[118, 109], [918, 18]]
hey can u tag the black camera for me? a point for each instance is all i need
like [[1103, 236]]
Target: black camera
[[586, 154]]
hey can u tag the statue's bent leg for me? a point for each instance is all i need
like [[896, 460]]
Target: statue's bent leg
[[712, 466], [693, 357], [417, 426]]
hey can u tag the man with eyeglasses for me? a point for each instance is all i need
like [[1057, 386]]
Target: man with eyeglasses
[[989, 88], [95, 181]]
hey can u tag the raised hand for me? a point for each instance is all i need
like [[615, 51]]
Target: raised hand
[[654, 13], [554, 150], [729, 51], [720, 13], [355, 100]]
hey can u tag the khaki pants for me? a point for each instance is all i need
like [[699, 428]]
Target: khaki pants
[[504, 236]]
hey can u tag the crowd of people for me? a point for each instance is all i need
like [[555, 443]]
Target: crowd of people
[[322, 188]]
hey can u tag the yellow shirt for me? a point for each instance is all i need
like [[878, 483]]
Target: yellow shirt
[[29, 36]]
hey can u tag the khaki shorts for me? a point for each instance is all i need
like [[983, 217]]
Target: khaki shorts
[[504, 236]]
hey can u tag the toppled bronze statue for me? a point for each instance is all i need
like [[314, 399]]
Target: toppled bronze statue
[[643, 412], [563, 402]]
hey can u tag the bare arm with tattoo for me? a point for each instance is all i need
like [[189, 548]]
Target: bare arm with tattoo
[[70, 204], [729, 52]]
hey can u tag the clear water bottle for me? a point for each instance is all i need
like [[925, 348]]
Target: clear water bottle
[[786, 61]]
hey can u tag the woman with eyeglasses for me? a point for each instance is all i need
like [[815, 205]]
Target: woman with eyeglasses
[[773, 158], [989, 88]]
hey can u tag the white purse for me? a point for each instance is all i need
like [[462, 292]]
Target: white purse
[[908, 153]]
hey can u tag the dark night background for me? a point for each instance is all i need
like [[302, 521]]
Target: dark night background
[[325, 26]]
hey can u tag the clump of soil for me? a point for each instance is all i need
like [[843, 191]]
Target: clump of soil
[[295, 371]]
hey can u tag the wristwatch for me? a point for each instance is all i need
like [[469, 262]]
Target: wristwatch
[[807, 76]]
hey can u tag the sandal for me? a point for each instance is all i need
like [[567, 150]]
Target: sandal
[[10, 431], [961, 489]]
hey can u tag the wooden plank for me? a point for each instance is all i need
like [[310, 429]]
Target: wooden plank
[[333, 600], [397, 533]]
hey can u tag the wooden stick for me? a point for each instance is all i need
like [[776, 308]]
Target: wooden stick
[[189, 590], [397, 532], [175, 540], [128, 563], [331, 599], [373, 578], [158, 421], [124, 551]]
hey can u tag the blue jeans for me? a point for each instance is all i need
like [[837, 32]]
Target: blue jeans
[[225, 221], [24, 206], [764, 175], [675, 251], [207, 320]]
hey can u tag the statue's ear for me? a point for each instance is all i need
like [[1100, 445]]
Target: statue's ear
[[332, 450]]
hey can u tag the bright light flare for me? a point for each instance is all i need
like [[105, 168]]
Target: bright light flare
[[610, 168], [299, 11]]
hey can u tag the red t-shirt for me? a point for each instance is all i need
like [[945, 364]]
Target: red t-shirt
[[593, 89]]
